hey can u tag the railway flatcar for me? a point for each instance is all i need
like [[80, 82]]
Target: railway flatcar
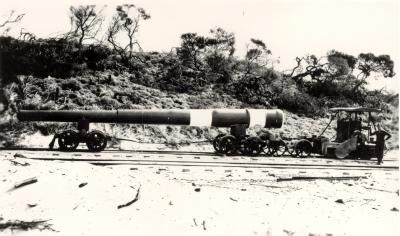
[[238, 120]]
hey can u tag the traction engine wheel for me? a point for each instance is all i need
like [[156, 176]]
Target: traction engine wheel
[[253, 146], [96, 141], [216, 143], [68, 140], [303, 148], [228, 145]]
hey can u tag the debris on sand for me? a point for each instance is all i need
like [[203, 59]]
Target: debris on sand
[[381, 190], [340, 201], [235, 200], [320, 177], [82, 185], [25, 182], [197, 189], [32, 205], [19, 155], [26, 225], [131, 202], [17, 163], [394, 209], [204, 225], [288, 232]]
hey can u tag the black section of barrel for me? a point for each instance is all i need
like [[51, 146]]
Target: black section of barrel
[[162, 117], [228, 118], [67, 116], [274, 119]]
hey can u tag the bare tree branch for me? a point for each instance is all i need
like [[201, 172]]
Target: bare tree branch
[[11, 19]]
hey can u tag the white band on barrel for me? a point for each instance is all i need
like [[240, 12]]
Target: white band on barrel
[[200, 117], [257, 117]]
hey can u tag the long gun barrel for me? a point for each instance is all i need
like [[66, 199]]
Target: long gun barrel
[[268, 118]]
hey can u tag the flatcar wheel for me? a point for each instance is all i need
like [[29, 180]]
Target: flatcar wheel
[[303, 148], [253, 146], [228, 145], [280, 149], [267, 149], [291, 149], [216, 142], [68, 140], [96, 141]]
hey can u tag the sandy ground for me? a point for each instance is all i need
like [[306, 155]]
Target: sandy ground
[[195, 200]]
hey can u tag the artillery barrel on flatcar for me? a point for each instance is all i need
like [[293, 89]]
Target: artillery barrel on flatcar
[[236, 119], [268, 118]]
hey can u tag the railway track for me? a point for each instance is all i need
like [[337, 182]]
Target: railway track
[[201, 159], [115, 151]]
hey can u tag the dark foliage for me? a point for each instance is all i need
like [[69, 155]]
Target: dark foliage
[[48, 57]]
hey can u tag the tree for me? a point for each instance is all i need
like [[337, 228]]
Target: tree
[[219, 52], [333, 67], [11, 19], [308, 65], [195, 49], [221, 42], [257, 56], [340, 63], [126, 21], [191, 49], [86, 22], [368, 64]]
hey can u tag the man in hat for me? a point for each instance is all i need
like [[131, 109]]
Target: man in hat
[[381, 137]]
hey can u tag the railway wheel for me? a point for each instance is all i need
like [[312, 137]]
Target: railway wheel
[[267, 150], [228, 145], [278, 148], [281, 149], [253, 146], [216, 143], [303, 148], [96, 141], [290, 148], [68, 140]]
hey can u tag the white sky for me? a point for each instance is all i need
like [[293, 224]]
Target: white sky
[[290, 28]]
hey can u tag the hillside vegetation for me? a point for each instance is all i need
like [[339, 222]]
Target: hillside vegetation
[[65, 73]]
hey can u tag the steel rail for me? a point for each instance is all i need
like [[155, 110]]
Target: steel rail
[[216, 163]]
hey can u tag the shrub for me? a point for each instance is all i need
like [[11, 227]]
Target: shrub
[[71, 84]]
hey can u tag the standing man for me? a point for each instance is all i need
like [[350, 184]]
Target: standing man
[[380, 142]]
